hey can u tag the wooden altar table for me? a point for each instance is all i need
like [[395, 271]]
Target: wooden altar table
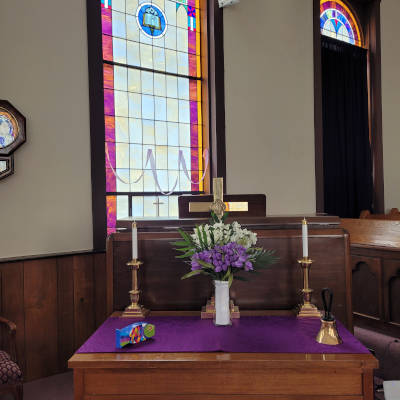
[[222, 376]]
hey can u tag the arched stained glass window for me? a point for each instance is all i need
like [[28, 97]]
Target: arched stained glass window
[[152, 100], [337, 21]]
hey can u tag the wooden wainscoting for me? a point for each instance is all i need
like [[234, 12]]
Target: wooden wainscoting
[[375, 264], [376, 288], [57, 302]]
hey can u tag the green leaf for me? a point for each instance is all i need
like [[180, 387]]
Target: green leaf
[[230, 280], [205, 264], [212, 236], [199, 236], [185, 236], [266, 259], [191, 273], [184, 249], [180, 243], [186, 255], [226, 276], [205, 237]]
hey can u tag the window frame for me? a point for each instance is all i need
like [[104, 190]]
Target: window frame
[[213, 106], [367, 15]]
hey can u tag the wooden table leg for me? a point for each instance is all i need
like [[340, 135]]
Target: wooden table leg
[[368, 384], [78, 384]]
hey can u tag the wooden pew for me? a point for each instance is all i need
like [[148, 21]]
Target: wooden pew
[[375, 265], [393, 215]]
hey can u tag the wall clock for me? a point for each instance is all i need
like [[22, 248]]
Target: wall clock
[[12, 135]]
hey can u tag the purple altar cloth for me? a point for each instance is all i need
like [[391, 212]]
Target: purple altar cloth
[[245, 335]]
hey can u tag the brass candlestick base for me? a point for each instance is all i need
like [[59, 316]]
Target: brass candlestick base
[[328, 333], [307, 309], [208, 312], [134, 310]]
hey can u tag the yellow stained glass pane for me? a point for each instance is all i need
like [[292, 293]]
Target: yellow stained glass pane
[[121, 103], [121, 130], [134, 81], [122, 155]]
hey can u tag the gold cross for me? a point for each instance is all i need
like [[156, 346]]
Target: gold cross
[[218, 206]]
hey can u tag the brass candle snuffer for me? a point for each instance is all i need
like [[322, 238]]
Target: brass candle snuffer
[[328, 333]]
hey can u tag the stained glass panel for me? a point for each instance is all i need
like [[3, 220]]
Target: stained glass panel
[[152, 100], [337, 21]]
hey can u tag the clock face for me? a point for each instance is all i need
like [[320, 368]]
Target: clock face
[[8, 128]]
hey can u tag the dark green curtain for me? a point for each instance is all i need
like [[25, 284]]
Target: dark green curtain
[[348, 186]]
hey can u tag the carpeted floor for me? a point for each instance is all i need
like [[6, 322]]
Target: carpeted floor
[[57, 387]]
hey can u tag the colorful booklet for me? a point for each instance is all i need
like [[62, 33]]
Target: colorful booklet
[[134, 333]]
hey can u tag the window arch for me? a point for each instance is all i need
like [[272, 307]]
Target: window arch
[[339, 22]]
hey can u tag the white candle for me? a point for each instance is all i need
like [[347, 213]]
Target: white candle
[[134, 242], [304, 232]]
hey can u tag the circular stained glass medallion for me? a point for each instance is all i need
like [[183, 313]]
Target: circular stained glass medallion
[[8, 128], [151, 20]]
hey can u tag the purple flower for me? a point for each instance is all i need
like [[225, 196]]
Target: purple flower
[[223, 257]]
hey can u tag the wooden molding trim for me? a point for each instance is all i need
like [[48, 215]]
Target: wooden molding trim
[[217, 90], [50, 255], [318, 127], [375, 106], [97, 128]]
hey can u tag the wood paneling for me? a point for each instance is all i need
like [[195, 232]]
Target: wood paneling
[[391, 282], [275, 288], [375, 262], [40, 304], [12, 299], [84, 315], [65, 312], [367, 284], [242, 376], [56, 302], [100, 288]]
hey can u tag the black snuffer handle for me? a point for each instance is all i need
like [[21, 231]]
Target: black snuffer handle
[[327, 305]]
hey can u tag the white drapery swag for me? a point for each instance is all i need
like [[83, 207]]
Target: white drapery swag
[[150, 158]]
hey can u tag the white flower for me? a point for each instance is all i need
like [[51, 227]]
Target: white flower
[[223, 234]]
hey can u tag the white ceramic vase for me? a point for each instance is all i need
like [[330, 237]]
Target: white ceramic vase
[[222, 311]]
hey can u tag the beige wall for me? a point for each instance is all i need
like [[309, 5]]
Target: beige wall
[[46, 204], [390, 9], [269, 102]]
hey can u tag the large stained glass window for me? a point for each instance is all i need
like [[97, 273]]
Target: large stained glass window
[[338, 21], [152, 100]]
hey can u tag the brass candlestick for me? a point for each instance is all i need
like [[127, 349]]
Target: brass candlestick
[[307, 309], [135, 310]]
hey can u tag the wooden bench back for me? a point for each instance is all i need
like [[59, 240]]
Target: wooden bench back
[[393, 215], [373, 232]]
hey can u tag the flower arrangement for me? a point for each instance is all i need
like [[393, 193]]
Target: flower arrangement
[[222, 250]]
